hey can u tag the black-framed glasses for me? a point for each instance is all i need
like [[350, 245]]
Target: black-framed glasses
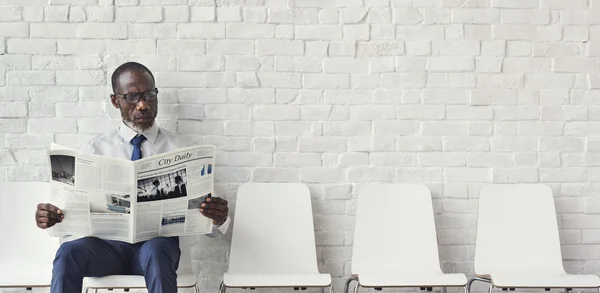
[[133, 98]]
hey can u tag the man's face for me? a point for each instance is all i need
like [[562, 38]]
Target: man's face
[[141, 115]]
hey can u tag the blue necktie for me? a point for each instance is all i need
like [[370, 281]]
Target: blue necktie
[[137, 147]]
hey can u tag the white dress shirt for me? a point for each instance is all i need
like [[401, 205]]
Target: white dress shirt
[[117, 144]]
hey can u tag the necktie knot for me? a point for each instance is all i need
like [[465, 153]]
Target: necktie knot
[[138, 140]]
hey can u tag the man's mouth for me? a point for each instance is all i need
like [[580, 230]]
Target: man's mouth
[[144, 118]]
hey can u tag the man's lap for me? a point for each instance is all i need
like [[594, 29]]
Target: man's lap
[[98, 257]]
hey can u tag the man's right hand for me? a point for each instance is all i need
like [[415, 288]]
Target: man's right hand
[[47, 215]]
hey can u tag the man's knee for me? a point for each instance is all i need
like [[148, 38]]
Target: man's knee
[[75, 249], [161, 248]]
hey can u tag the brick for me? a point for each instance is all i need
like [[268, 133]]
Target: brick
[[152, 31], [219, 79], [139, 14], [103, 31], [33, 13], [201, 31], [298, 64], [419, 174], [450, 64], [371, 174], [13, 110], [275, 175], [53, 94], [329, 16], [294, 16], [255, 14], [346, 65], [451, 80], [515, 175], [80, 77], [320, 32], [181, 47], [353, 14], [293, 128], [395, 127], [11, 13], [225, 112], [279, 47], [403, 80], [321, 175], [56, 13], [382, 32], [49, 62], [549, 80], [250, 31], [460, 174], [176, 14], [515, 3], [562, 174], [575, 65], [280, 80], [356, 32], [407, 16], [180, 79], [528, 64], [200, 63], [455, 48], [326, 81], [393, 159], [81, 46], [230, 47], [324, 112], [558, 4], [14, 29], [380, 48], [203, 14], [144, 47], [16, 62], [99, 13], [276, 112], [52, 125], [515, 16], [475, 16], [469, 144], [36, 77], [515, 32]]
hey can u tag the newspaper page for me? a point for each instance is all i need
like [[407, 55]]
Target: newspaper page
[[95, 194], [170, 189], [109, 198]]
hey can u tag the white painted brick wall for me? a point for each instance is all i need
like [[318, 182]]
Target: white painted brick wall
[[450, 93]]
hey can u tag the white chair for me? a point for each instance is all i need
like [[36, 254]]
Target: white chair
[[273, 242], [395, 241], [518, 243], [185, 275], [26, 251]]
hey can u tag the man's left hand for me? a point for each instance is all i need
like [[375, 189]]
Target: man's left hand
[[215, 208]]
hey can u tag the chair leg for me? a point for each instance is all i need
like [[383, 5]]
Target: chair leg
[[491, 290], [223, 288], [196, 289], [349, 280], [465, 289], [356, 287], [444, 290], [468, 287], [330, 288]]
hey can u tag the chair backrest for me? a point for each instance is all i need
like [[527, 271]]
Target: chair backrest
[[273, 230], [23, 241], [395, 230], [517, 230]]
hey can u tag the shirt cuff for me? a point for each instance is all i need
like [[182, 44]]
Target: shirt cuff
[[223, 227]]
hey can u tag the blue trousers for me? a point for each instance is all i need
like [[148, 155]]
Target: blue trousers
[[156, 259]]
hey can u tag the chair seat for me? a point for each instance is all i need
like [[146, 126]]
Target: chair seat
[[537, 280], [276, 280], [127, 281], [413, 280], [23, 274]]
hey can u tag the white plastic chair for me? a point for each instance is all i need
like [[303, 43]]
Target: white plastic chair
[[185, 275], [518, 243], [273, 242], [26, 251], [395, 241]]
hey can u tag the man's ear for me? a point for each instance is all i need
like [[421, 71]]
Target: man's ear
[[115, 101]]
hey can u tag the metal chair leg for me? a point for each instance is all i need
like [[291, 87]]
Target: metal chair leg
[[330, 288], [223, 288], [444, 290], [356, 287], [348, 281]]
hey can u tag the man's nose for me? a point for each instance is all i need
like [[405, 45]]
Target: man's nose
[[142, 104]]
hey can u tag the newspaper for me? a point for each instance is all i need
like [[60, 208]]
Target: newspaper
[[132, 201]]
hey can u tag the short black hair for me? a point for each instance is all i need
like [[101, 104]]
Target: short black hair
[[127, 67]]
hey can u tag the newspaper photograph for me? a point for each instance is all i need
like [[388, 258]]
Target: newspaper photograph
[[132, 201]]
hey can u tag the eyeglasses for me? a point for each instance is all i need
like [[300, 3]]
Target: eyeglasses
[[133, 98]]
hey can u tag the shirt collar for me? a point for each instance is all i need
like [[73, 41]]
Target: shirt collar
[[128, 134]]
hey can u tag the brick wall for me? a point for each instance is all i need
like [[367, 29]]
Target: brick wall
[[333, 93]]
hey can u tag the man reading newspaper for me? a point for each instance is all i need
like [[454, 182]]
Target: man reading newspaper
[[157, 259]]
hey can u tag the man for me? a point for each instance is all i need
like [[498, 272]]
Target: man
[[135, 95], [156, 190], [180, 189]]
